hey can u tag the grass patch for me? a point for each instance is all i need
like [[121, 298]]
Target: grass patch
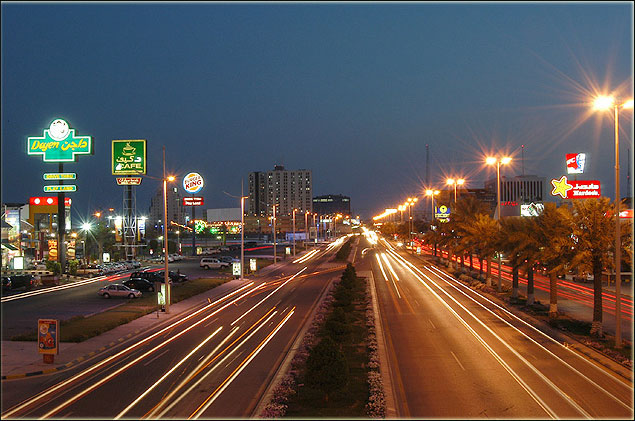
[[334, 380], [80, 328]]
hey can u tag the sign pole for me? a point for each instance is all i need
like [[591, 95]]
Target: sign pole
[[193, 230], [61, 222]]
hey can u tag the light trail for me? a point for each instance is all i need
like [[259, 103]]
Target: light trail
[[206, 404], [306, 257], [91, 369], [270, 294], [184, 394], [133, 403], [383, 256], [381, 266]]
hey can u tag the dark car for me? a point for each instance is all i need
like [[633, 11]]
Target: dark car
[[147, 275], [18, 281], [174, 277], [140, 284]]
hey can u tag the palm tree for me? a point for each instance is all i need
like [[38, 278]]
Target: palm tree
[[553, 231], [462, 218], [484, 232], [594, 231], [511, 229]]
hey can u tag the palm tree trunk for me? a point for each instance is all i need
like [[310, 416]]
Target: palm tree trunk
[[489, 270], [596, 325], [530, 285], [480, 267], [471, 263], [553, 296], [515, 282]]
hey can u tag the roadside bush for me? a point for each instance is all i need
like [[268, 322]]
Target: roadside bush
[[344, 251], [72, 267], [327, 370], [53, 266]]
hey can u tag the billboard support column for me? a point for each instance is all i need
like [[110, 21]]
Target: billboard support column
[[193, 230], [61, 223]]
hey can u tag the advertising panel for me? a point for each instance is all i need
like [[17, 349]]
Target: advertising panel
[[129, 157], [576, 163], [48, 336], [193, 183], [129, 181], [70, 250], [59, 176], [59, 143], [236, 268], [52, 250], [442, 213], [193, 201], [532, 209], [576, 189], [253, 266]]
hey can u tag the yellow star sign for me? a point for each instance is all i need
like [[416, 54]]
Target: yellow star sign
[[560, 187]]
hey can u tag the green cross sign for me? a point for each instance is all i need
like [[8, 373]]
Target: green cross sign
[[59, 143]]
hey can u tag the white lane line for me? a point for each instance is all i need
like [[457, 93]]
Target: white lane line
[[457, 361], [163, 353]]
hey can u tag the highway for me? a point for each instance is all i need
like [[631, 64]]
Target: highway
[[215, 361], [452, 353]]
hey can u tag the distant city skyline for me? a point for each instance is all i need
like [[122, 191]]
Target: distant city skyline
[[353, 92]]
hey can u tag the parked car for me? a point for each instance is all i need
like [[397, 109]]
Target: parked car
[[210, 250], [150, 276], [174, 276], [227, 259], [118, 290], [140, 284], [18, 281], [212, 263]]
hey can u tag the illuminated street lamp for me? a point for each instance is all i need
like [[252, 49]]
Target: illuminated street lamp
[[242, 234], [605, 103], [451, 181], [431, 193], [294, 209], [498, 161], [165, 235], [275, 259]]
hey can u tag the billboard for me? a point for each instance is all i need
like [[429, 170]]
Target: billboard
[[576, 189], [532, 209], [59, 143], [129, 157], [193, 201], [193, 183], [576, 163], [48, 336]]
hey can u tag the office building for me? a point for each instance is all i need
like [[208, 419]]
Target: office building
[[176, 210], [332, 204], [287, 189]]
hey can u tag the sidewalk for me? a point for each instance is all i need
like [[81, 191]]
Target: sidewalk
[[21, 359]]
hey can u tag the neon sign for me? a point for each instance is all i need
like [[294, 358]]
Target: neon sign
[[59, 143], [575, 163], [578, 189]]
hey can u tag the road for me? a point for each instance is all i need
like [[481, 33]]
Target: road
[[215, 361], [454, 354]]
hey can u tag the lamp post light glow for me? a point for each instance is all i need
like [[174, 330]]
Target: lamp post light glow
[[275, 259], [604, 103], [459, 182], [491, 161], [294, 209], [165, 235]]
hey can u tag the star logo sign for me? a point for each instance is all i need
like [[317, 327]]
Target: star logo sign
[[560, 187]]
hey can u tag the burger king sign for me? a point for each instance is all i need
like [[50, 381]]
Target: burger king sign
[[193, 182]]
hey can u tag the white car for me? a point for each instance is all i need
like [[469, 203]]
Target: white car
[[212, 263], [118, 290]]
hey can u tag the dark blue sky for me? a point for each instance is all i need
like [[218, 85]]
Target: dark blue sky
[[353, 92]]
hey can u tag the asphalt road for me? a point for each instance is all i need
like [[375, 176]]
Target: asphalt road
[[454, 354], [214, 362]]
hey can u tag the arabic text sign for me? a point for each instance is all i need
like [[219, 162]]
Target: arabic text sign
[[128, 181], [129, 157], [575, 189], [48, 331], [59, 143], [62, 188], [192, 201]]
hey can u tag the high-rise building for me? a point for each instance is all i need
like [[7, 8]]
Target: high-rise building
[[288, 189], [176, 210], [332, 204]]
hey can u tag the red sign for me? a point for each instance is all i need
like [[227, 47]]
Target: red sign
[[128, 181], [575, 163], [192, 201], [48, 201], [583, 189]]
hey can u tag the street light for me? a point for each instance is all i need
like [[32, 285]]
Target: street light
[[410, 203], [491, 160], [451, 181], [242, 234], [431, 193], [274, 234], [606, 103], [306, 227], [294, 209], [165, 235]]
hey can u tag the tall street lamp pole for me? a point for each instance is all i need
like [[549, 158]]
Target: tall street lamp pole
[[306, 227], [604, 103], [294, 231], [451, 181], [242, 235], [165, 236], [274, 235], [498, 161]]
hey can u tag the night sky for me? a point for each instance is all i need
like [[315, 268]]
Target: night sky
[[353, 92]]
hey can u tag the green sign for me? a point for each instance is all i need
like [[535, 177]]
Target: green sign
[[60, 176], [129, 157], [59, 189], [59, 143]]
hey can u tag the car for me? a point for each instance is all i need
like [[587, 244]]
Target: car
[[212, 263], [210, 250], [227, 259], [150, 276], [174, 276], [18, 281], [118, 290], [140, 284]]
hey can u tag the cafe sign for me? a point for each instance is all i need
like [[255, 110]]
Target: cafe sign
[[59, 143], [129, 157]]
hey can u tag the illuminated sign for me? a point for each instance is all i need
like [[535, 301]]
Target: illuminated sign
[[442, 213], [575, 163], [576, 189], [128, 181], [129, 157], [59, 143], [52, 250], [47, 201], [626, 213], [193, 183], [60, 176], [253, 266], [192, 201], [236, 268], [199, 226], [60, 188], [532, 209]]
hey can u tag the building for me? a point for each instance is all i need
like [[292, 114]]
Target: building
[[176, 210], [332, 204], [517, 191], [224, 214], [287, 189]]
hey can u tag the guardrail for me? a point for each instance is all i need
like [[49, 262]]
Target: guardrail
[[26, 272]]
